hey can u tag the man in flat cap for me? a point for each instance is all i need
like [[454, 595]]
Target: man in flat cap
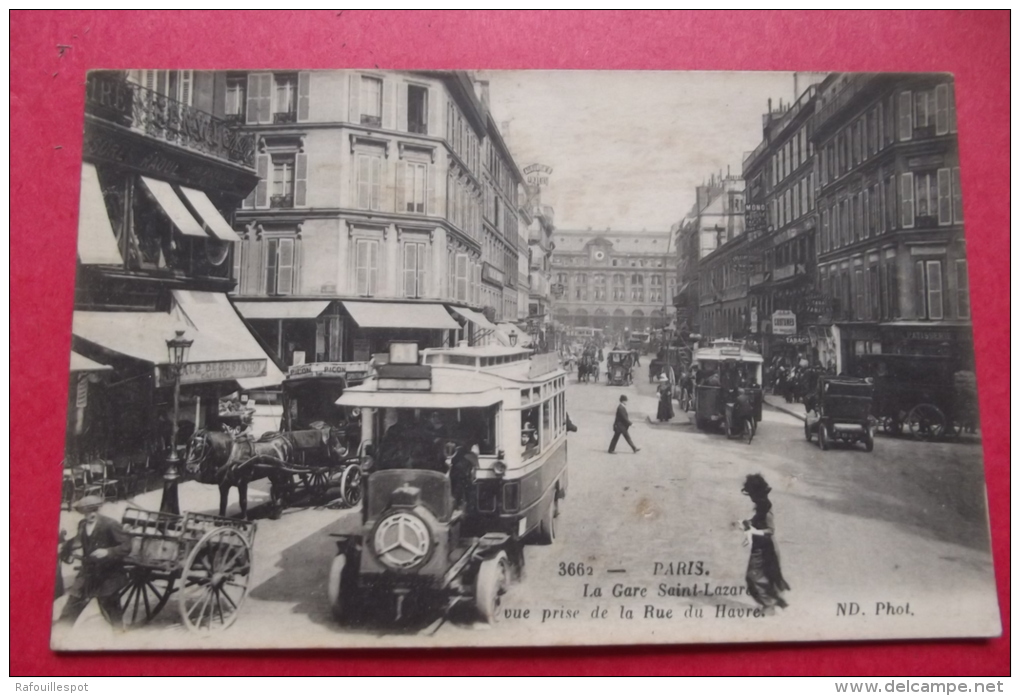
[[102, 544]]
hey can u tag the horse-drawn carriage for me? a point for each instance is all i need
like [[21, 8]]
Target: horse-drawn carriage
[[465, 457], [588, 368], [929, 396], [312, 456]]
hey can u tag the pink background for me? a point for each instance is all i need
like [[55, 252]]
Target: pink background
[[46, 137]]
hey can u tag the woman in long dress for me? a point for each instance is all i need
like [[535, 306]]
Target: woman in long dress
[[665, 391], [765, 582]]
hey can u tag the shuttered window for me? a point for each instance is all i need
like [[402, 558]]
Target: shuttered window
[[906, 116], [367, 267], [369, 182], [414, 269], [463, 280], [907, 200], [260, 98], [962, 290]]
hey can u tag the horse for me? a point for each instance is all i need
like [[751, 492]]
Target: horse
[[225, 461]]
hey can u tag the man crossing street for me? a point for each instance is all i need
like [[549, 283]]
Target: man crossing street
[[621, 426]]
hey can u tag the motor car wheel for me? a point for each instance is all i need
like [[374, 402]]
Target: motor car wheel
[[491, 584], [546, 533], [823, 437], [807, 429], [869, 439]]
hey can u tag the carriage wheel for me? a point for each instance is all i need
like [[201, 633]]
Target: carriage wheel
[[491, 584], [350, 485], [926, 422], [144, 596], [316, 483], [215, 580]]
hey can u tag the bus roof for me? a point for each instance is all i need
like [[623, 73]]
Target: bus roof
[[728, 351]]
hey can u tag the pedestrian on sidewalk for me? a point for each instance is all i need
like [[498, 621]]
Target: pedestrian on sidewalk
[[665, 391], [765, 582], [621, 426]]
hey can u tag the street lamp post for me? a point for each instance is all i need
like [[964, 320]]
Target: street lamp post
[[177, 350]]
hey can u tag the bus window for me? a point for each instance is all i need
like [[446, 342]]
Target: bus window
[[530, 442], [547, 433], [417, 439]]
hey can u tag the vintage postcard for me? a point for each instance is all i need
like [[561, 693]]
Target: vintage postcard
[[366, 358]]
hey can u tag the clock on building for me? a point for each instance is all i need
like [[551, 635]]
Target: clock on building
[[600, 255]]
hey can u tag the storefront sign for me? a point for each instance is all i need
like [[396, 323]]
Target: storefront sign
[[537, 174], [784, 322], [491, 274], [797, 340], [201, 372], [754, 217], [927, 335], [350, 370]]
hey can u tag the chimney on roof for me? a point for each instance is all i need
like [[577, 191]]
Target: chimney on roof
[[482, 91]]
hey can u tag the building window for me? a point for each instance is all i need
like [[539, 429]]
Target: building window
[[415, 258], [907, 200], [415, 178], [957, 195], [962, 290], [235, 98], [282, 187], [417, 109], [285, 97], [906, 116], [371, 101], [874, 293], [369, 182], [928, 284], [463, 279], [279, 279], [366, 269]]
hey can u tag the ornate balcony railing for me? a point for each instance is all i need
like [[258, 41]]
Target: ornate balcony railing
[[285, 117], [281, 200], [853, 86], [111, 97]]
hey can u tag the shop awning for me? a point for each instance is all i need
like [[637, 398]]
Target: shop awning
[[475, 317], [400, 315], [212, 218], [79, 363], [298, 309], [213, 315], [223, 348], [96, 243], [174, 208]]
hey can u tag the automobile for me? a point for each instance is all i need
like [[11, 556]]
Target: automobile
[[839, 410], [465, 458], [619, 367], [721, 369]]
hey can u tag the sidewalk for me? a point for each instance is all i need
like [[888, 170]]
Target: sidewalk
[[779, 404]]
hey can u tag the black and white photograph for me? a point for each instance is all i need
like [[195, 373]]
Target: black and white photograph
[[373, 358]]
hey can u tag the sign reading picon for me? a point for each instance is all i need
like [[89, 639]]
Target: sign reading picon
[[784, 322]]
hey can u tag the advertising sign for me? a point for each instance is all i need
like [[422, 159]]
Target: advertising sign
[[784, 322]]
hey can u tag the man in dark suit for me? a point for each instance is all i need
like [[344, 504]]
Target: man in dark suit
[[621, 426], [103, 545]]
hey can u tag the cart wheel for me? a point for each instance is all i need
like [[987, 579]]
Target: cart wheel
[[317, 483], [144, 596], [215, 580], [953, 429], [491, 584], [926, 422], [869, 439], [823, 436], [807, 429], [546, 533], [341, 588], [350, 485]]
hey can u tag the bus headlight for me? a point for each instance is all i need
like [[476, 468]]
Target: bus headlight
[[499, 468]]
